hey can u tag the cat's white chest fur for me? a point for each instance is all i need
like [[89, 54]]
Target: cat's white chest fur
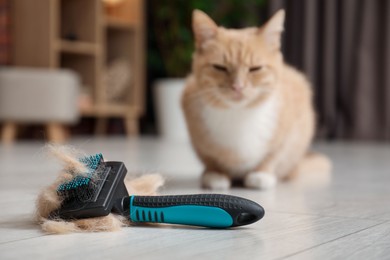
[[245, 131]]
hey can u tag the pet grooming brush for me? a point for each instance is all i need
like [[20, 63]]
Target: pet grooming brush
[[101, 190]]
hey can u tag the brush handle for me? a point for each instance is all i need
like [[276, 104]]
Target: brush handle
[[206, 210]]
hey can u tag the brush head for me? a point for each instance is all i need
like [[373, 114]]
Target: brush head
[[92, 193], [85, 186]]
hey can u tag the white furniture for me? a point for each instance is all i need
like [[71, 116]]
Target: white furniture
[[170, 116], [39, 96]]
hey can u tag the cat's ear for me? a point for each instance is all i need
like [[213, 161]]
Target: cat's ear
[[203, 26], [272, 30]]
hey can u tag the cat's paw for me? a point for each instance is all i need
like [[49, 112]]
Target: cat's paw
[[260, 180], [215, 181]]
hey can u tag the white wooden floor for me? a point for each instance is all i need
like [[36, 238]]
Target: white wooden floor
[[345, 218]]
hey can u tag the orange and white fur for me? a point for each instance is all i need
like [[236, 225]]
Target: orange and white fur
[[249, 115]]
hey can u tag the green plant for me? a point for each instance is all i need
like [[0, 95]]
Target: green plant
[[170, 36]]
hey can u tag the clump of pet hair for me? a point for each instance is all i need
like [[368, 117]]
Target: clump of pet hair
[[48, 199]]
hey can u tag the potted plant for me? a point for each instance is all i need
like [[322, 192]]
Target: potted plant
[[171, 45]]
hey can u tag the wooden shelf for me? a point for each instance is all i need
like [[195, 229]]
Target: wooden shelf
[[102, 37], [77, 47], [118, 24], [111, 110]]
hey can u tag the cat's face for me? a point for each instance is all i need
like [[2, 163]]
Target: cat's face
[[236, 65]]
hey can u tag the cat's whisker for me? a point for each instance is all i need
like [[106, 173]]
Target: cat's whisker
[[200, 93], [263, 88]]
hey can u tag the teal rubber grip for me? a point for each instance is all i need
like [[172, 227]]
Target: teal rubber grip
[[205, 210]]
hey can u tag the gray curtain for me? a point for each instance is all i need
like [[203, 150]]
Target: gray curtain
[[344, 48]]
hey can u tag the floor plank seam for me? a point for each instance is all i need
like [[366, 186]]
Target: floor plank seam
[[22, 239], [324, 243], [329, 216]]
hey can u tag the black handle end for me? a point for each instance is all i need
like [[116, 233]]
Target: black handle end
[[250, 214]]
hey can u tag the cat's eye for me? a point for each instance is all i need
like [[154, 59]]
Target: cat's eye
[[220, 67], [256, 68]]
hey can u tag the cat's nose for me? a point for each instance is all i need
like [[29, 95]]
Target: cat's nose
[[238, 87]]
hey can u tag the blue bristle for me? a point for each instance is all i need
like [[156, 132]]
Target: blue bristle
[[92, 162], [82, 185]]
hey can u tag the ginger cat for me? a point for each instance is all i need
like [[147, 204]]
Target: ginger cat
[[249, 115]]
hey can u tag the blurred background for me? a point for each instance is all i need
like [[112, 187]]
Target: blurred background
[[116, 67]]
